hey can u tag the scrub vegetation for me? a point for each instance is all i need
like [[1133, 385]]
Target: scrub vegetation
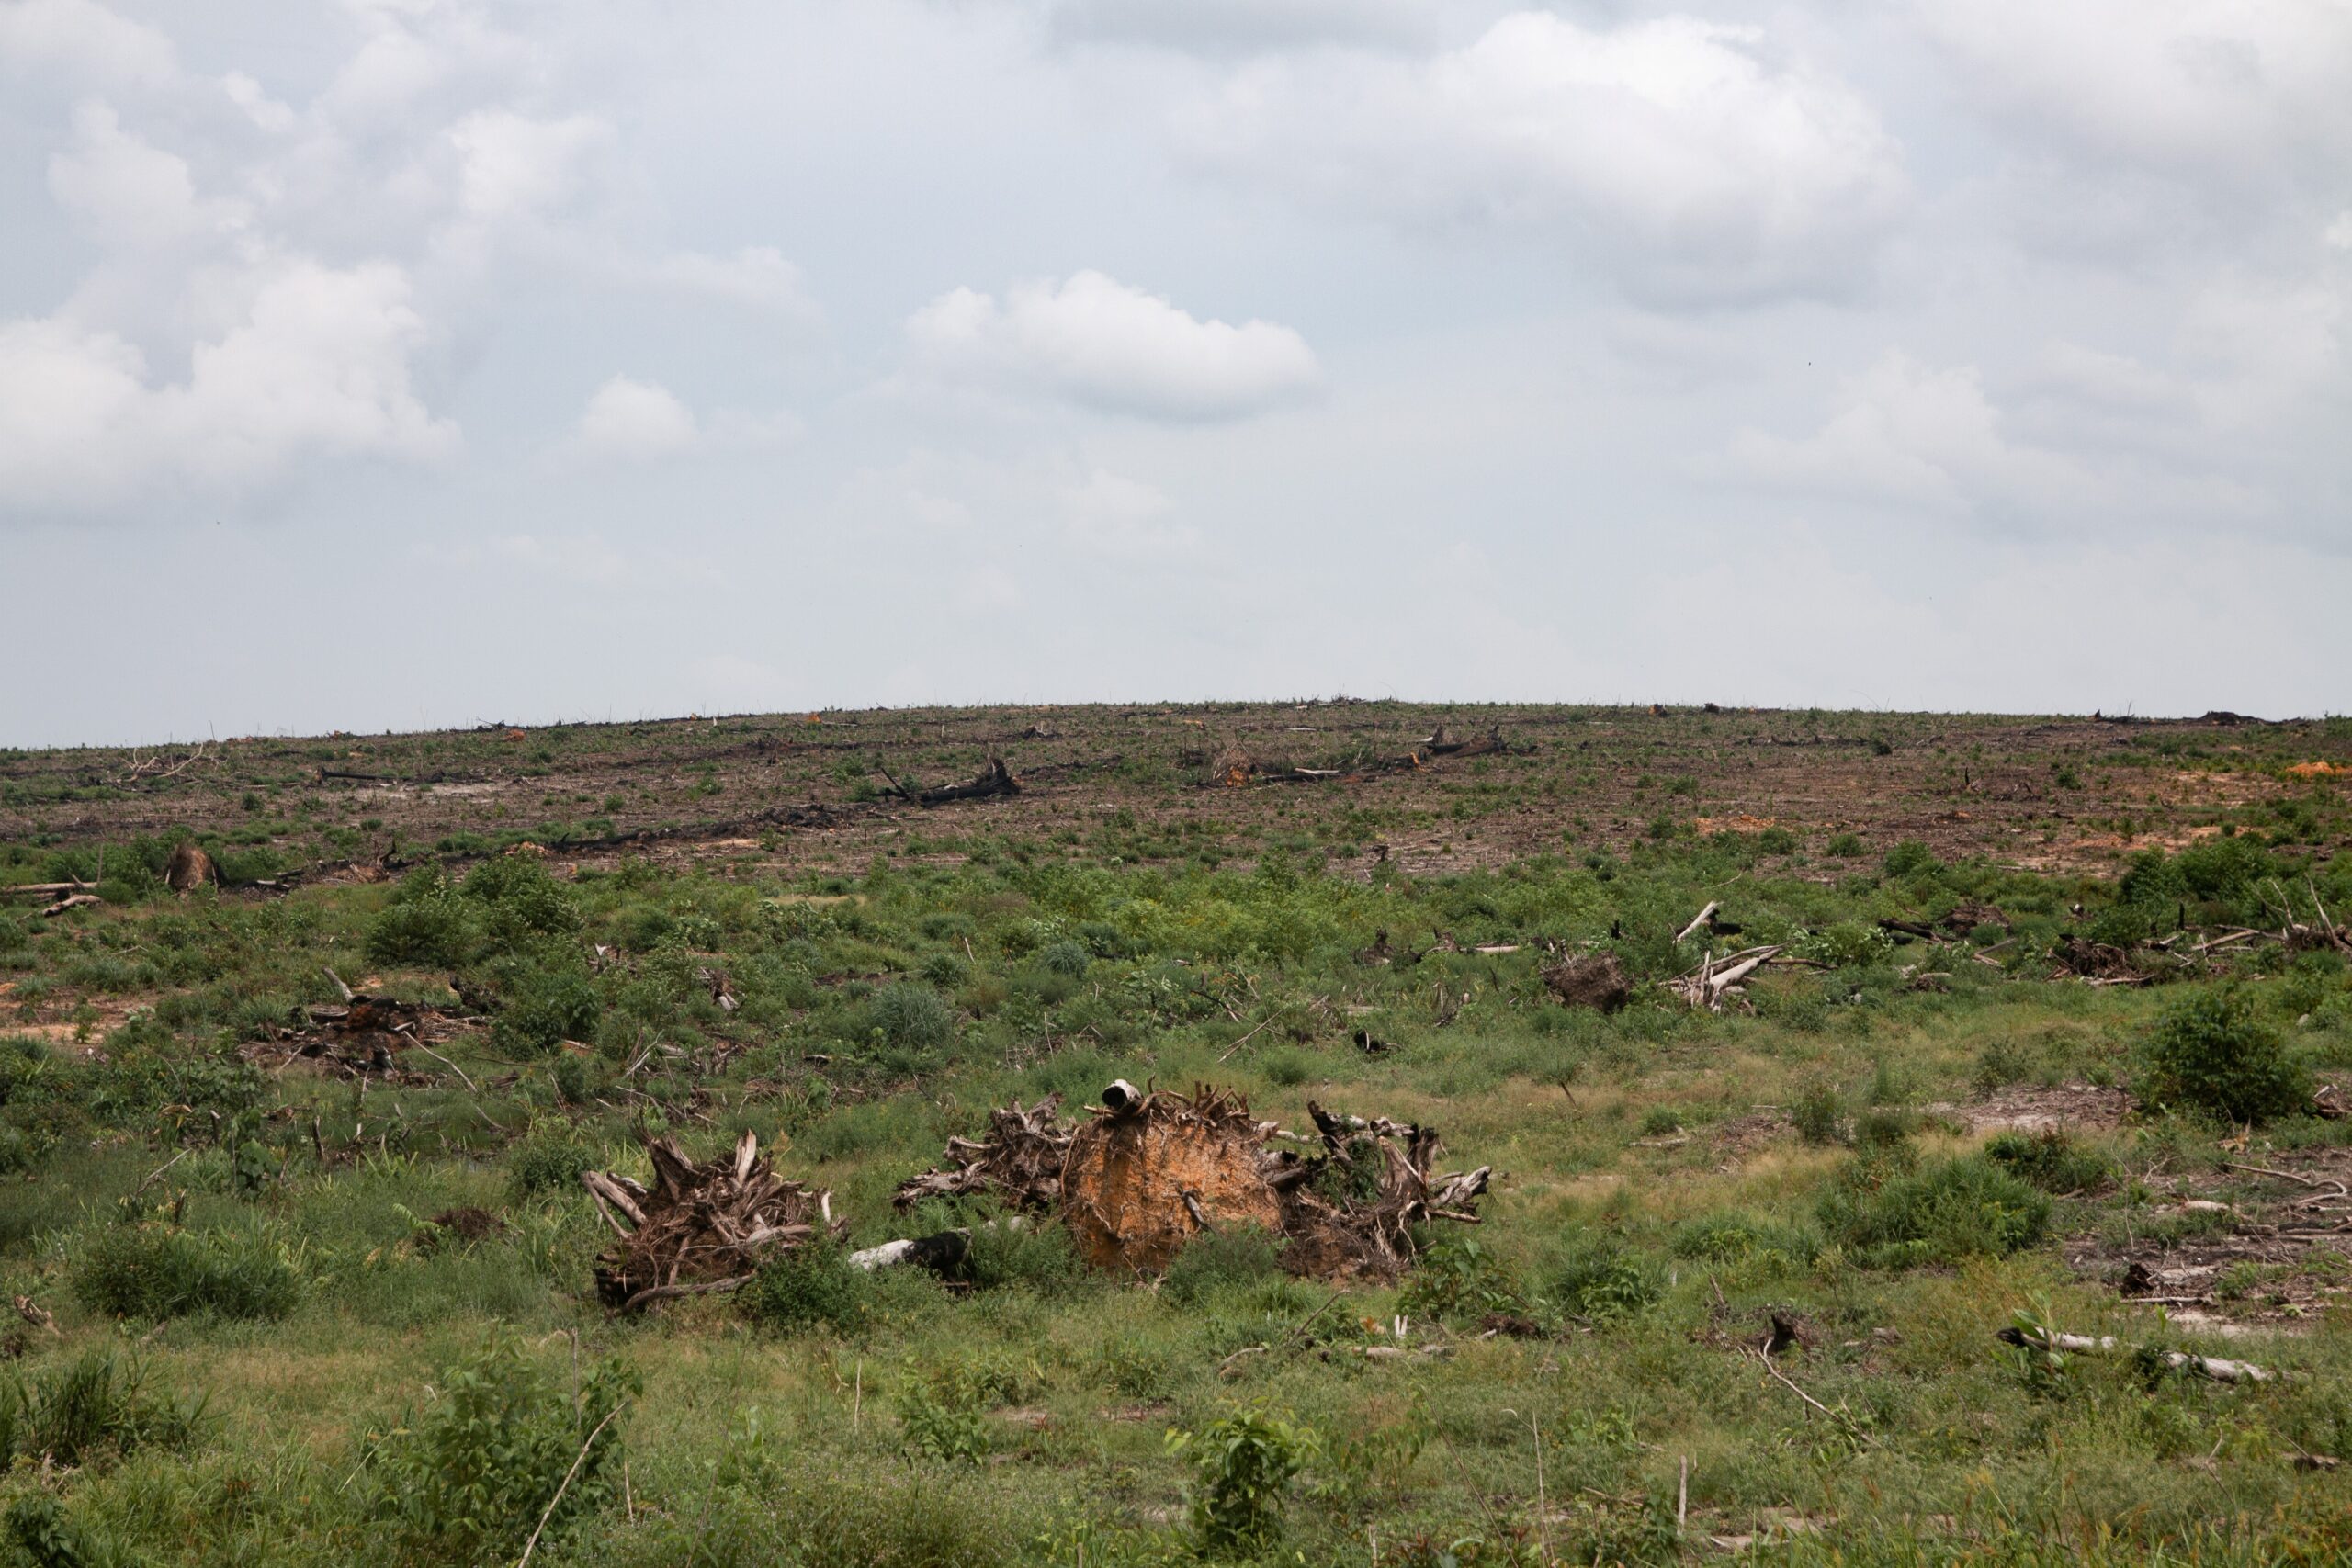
[[1740, 1273]]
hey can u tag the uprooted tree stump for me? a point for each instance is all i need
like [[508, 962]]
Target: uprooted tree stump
[[700, 1228], [1596, 981], [189, 869], [1150, 1172], [1020, 1162]]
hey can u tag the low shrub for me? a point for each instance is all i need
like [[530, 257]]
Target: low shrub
[[543, 1007], [941, 1414], [911, 1018], [1911, 857], [1892, 1215], [1040, 1257], [1243, 1466], [1734, 1237], [549, 1157], [157, 1272], [2051, 1160], [813, 1286], [1595, 1277], [425, 924], [2213, 1053], [44, 1535], [468, 1477], [1818, 1116], [1456, 1277]]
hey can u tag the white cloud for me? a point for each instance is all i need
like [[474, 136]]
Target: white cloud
[[640, 421], [1111, 515], [315, 364], [2188, 87], [1099, 343], [80, 40], [2339, 234], [2100, 441], [124, 192], [1689, 158], [1240, 27], [755, 277], [1912, 436], [636, 419], [264, 111], [512, 164]]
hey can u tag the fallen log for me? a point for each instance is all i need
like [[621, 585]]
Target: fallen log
[[1700, 919], [71, 901], [49, 889], [994, 778], [2214, 1367]]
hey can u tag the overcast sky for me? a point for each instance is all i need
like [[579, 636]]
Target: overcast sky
[[405, 363]]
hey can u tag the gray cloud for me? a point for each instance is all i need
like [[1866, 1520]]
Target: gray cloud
[[1105, 348]]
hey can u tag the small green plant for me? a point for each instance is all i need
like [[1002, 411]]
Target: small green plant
[[2213, 1053], [468, 1477], [1844, 846], [1458, 1277], [941, 1414], [1816, 1113], [38, 1527], [1243, 1464], [911, 1018], [543, 1007]]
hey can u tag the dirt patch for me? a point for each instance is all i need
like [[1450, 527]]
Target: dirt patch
[[2277, 1256], [2073, 1105]]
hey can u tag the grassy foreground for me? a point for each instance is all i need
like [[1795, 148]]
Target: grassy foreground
[[246, 1340]]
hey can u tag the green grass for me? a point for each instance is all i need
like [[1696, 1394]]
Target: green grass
[[264, 1352]]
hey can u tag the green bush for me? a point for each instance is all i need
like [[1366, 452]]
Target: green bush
[[549, 1157], [1596, 1277], [468, 1477], [1891, 1215], [520, 899], [154, 1272], [940, 1415], [544, 1008], [813, 1286], [425, 924], [2051, 1160], [911, 1018], [1040, 1257], [2210, 1052], [1457, 1277], [1911, 857], [38, 1526], [1215, 1260], [1242, 1467], [1843, 846], [1818, 1116]]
